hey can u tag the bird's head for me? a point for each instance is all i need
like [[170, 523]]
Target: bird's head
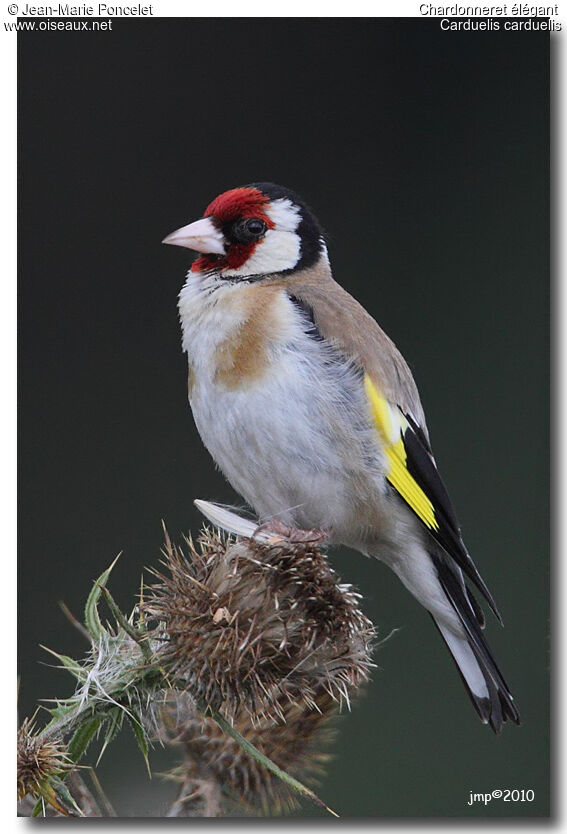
[[251, 232]]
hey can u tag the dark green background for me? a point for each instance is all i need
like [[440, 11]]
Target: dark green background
[[425, 155]]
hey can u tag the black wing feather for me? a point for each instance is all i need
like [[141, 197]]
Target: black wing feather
[[422, 468]]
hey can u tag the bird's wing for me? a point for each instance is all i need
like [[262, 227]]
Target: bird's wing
[[395, 406], [345, 324], [413, 474]]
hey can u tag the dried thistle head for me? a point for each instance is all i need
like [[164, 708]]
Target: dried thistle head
[[258, 627], [218, 778], [39, 761]]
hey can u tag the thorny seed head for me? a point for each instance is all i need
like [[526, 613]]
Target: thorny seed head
[[38, 760], [257, 627], [217, 778]]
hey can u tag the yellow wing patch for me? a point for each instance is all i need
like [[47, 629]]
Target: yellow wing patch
[[391, 426]]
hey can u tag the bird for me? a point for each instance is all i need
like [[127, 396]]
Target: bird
[[313, 416]]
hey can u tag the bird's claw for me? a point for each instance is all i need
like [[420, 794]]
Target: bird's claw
[[279, 530]]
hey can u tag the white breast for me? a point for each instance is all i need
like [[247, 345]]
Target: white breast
[[296, 442]]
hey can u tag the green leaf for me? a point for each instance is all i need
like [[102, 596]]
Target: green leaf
[[47, 791], [60, 713], [82, 737], [72, 666], [92, 619], [141, 737], [113, 725], [37, 808], [64, 796], [138, 636]]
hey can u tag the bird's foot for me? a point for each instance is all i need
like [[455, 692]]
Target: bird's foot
[[279, 530]]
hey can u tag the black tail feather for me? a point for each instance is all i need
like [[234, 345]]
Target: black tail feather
[[499, 706]]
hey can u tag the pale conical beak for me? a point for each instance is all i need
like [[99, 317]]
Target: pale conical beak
[[201, 236]]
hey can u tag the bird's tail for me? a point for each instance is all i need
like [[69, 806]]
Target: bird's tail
[[483, 680]]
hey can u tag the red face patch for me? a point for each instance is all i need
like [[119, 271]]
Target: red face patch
[[239, 202], [227, 207]]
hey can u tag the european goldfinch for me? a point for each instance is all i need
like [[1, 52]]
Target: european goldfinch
[[313, 415]]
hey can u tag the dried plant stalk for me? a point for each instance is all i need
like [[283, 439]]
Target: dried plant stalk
[[251, 626], [266, 633], [39, 760], [218, 778], [251, 645]]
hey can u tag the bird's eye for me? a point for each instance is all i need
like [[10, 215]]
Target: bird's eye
[[255, 226], [249, 230]]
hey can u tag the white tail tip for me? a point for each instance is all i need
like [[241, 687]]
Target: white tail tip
[[231, 522]]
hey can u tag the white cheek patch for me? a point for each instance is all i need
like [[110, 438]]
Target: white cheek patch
[[280, 247], [276, 252]]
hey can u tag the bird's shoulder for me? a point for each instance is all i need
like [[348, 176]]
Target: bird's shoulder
[[342, 321]]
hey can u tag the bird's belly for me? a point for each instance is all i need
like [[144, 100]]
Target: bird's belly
[[291, 448]]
